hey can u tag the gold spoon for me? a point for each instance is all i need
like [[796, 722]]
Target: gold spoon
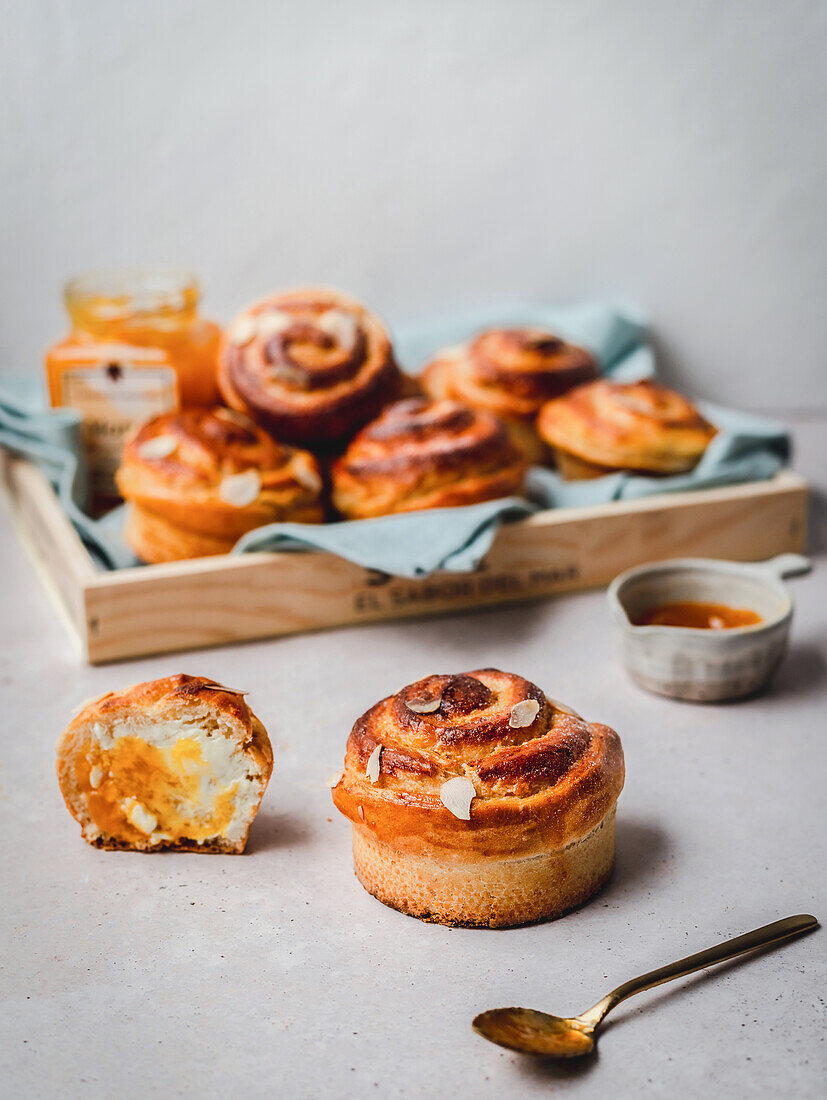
[[532, 1032]]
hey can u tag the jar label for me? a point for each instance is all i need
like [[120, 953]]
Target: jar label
[[112, 396]]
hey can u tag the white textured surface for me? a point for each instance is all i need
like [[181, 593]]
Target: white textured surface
[[275, 974], [432, 155]]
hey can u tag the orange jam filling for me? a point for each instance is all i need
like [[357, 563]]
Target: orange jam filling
[[133, 782]]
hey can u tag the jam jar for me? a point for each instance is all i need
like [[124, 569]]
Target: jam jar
[[137, 347]]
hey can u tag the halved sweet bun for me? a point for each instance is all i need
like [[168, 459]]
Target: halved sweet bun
[[310, 365], [477, 800], [180, 763], [510, 372], [426, 454], [607, 426]]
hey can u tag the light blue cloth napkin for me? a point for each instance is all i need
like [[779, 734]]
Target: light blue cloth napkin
[[51, 439], [747, 448]]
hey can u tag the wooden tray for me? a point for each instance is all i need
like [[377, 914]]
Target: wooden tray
[[213, 601]]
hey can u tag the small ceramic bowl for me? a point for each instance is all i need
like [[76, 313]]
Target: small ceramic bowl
[[705, 665]]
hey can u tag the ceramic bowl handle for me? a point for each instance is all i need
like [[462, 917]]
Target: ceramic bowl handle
[[788, 565]]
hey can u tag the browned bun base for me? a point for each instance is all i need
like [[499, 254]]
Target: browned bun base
[[155, 539], [327, 371], [573, 468], [209, 848], [422, 454], [484, 893]]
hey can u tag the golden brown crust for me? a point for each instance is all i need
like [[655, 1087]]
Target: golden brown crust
[[510, 372], [311, 365], [182, 697], [180, 470], [426, 454], [606, 426]]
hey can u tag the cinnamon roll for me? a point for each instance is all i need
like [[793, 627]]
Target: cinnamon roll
[[608, 426], [477, 800], [198, 479], [310, 365], [510, 372], [175, 764], [426, 454]]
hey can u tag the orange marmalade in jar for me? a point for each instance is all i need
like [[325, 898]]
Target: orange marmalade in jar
[[137, 347]]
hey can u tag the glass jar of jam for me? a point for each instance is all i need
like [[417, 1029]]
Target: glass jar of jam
[[137, 347]]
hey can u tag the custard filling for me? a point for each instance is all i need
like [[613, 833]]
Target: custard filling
[[192, 787]]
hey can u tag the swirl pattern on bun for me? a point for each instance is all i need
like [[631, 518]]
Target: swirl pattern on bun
[[608, 426], [310, 365], [510, 372], [477, 800], [426, 454], [199, 479]]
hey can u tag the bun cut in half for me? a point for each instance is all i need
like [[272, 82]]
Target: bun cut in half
[[476, 800], [178, 764]]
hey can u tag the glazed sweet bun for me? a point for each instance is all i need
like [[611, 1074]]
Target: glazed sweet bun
[[608, 426], [477, 800], [199, 479], [178, 764], [426, 454], [310, 365], [510, 372]]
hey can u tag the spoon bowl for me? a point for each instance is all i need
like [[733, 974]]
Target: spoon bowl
[[527, 1031]]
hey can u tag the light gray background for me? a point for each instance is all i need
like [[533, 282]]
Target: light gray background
[[435, 154], [425, 156]]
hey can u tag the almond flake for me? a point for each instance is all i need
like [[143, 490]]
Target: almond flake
[[524, 713], [160, 446], [240, 489], [306, 475], [95, 777], [374, 764], [275, 320], [341, 326], [422, 705], [98, 729], [457, 795], [220, 687], [361, 812], [235, 417], [563, 707], [243, 330], [334, 780]]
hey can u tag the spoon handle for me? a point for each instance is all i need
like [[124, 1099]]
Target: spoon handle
[[729, 949]]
